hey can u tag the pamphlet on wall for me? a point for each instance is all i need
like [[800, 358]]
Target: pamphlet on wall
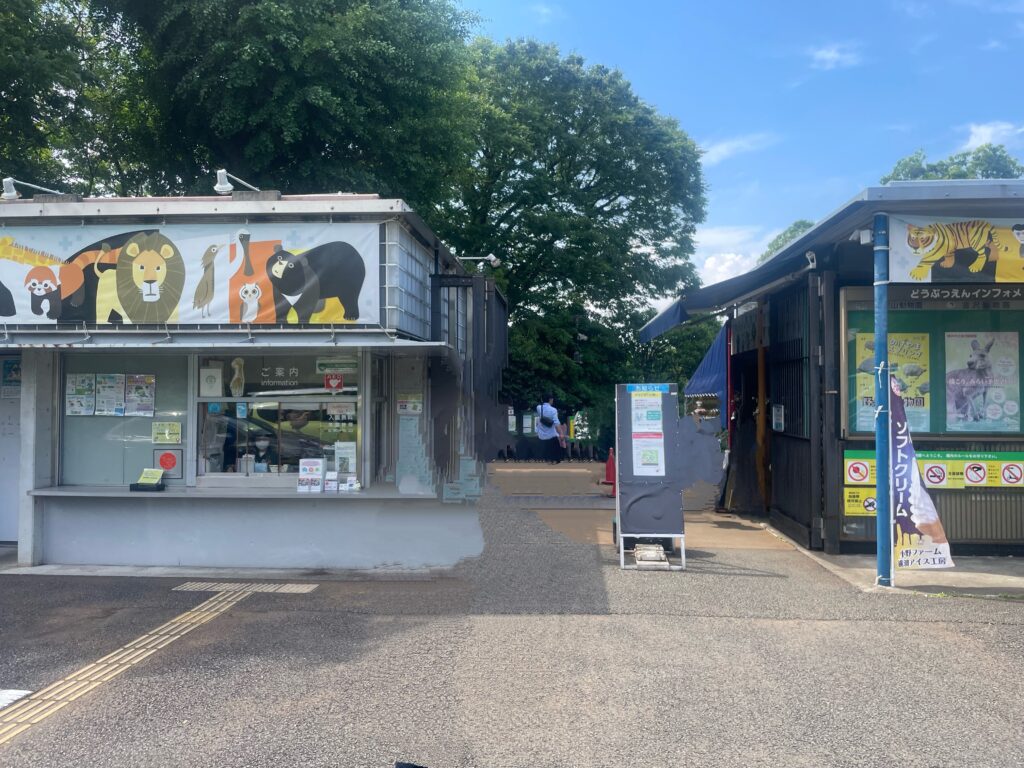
[[10, 382], [311, 475], [80, 394], [110, 394], [140, 397], [331, 482]]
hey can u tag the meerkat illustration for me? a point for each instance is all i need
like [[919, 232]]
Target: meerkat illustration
[[250, 294], [237, 385]]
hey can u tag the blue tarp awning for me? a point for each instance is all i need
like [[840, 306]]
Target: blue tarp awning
[[672, 316], [709, 378]]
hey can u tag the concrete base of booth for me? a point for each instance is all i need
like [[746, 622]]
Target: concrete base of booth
[[324, 532]]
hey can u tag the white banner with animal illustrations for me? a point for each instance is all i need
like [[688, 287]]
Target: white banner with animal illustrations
[[189, 274], [949, 250]]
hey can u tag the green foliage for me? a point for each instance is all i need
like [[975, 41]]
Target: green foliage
[[591, 199], [789, 234], [989, 161], [38, 78], [310, 95], [587, 194]]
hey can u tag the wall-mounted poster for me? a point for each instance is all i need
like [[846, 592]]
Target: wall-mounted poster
[[296, 273], [110, 394], [945, 250], [140, 395], [10, 384], [983, 382], [80, 394], [908, 360]]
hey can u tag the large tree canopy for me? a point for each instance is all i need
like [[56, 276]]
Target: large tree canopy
[[587, 194], [989, 161], [38, 78], [589, 197], [310, 95]]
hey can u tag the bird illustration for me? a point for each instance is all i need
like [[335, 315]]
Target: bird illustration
[[207, 283], [924, 388], [866, 366], [243, 238]]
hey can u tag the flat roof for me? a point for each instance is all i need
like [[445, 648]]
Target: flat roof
[[50, 209]]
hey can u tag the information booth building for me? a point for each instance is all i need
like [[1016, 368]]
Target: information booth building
[[801, 364], [283, 360]]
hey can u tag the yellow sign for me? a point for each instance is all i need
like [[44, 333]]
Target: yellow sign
[[944, 470], [860, 502], [908, 361], [859, 472], [167, 432], [151, 476]]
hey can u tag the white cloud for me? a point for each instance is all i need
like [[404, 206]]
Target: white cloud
[[995, 132], [993, 45], [724, 252], [717, 151], [544, 13], [835, 56]]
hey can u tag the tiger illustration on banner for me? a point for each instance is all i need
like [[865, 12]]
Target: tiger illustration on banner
[[956, 250]]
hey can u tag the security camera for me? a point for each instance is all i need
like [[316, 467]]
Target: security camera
[[493, 260], [812, 260]]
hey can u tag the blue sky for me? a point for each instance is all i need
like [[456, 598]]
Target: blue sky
[[798, 105]]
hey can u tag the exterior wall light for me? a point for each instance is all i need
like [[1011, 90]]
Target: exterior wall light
[[224, 187], [11, 193]]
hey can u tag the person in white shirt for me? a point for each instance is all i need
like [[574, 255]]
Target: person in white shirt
[[550, 431]]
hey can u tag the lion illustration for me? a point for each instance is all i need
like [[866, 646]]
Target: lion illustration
[[150, 279]]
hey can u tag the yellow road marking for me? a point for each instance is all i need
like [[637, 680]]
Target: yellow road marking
[[26, 712]]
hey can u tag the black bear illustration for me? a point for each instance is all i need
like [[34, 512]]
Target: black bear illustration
[[305, 281], [7, 308]]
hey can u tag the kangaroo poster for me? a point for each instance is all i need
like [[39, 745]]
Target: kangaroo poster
[[908, 360], [933, 250], [918, 538], [191, 274], [983, 382]]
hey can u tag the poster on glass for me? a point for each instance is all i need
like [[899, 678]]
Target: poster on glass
[[908, 359], [983, 382]]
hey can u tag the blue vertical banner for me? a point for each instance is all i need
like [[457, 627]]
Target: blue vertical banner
[[918, 538]]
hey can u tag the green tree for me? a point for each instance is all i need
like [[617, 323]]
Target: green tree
[[989, 161], [108, 141], [38, 79], [589, 197], [308, 95], [786, 236], [587, 194]]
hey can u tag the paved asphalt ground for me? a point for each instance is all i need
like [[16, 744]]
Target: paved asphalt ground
[[538, 653]]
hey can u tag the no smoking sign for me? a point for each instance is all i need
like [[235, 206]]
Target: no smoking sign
[[935, 475]]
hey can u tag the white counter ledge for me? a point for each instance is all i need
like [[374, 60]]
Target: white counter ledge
[[377, 493]]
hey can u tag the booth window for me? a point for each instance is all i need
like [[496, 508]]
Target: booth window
[[120, 414], [958, 365], [272, 411]]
